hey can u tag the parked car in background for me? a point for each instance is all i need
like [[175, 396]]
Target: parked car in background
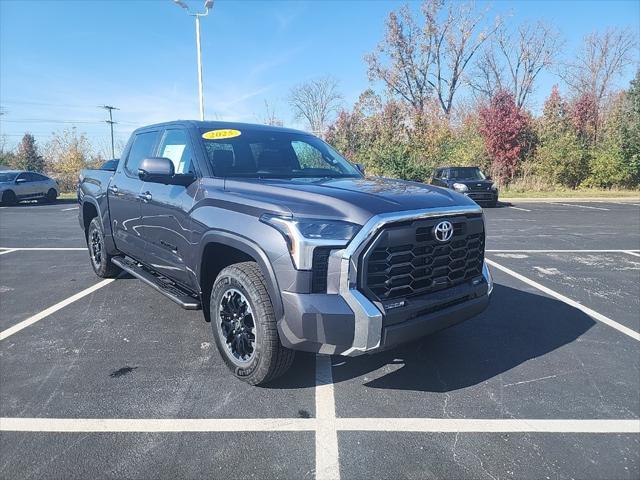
[[469, 181], [18, 185]]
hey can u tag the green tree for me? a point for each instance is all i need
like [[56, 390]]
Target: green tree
[[27, 156], [561, 157], [630, 130]]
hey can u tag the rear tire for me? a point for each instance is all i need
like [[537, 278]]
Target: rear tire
[[100, 259], [51, 196], [9, 198], [244, 325]]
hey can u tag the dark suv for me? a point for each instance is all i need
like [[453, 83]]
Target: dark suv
[[283, 243], [469, 181]]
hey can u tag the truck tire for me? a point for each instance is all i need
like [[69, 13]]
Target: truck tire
[[100, 259], [9, 198], [244, 325]]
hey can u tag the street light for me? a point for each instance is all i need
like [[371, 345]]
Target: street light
[[208, 5]]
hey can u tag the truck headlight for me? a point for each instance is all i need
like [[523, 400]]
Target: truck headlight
[[303, 235], [494, 187], [460, 187]]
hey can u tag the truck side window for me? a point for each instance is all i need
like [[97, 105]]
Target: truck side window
[[142, 148], [175, 146]]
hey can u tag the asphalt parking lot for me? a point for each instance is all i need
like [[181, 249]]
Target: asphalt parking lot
[[108, 379]]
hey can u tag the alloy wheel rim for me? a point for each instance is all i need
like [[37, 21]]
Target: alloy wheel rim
[[236, 326], [96, 248]]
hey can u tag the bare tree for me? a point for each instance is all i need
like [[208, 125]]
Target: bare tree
[[602, 59], [514, 64], [270, 117], [315, 102], [403, 59], [414, 62]]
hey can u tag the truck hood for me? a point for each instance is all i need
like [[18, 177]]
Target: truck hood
[[352, 199]]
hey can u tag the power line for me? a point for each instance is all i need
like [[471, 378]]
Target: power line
[[45, 120]]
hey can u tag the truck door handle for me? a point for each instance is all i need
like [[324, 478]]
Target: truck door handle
[[113, 189], [146, 197]]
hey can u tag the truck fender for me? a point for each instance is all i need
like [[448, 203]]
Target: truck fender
[[252, 249], [104, 220]]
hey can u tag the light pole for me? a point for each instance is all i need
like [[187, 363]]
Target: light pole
[[208, 5]]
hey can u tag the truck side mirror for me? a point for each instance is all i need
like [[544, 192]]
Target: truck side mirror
[[161, 170], [156, 170], [360, 167]]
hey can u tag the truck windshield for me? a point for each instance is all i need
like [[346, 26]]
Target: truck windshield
[[8, 177], [466, 173], [273, 154]]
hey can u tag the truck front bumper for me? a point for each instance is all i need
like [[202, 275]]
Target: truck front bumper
[[346, 322]]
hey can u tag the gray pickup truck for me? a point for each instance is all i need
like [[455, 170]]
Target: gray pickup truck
[[283, 243]]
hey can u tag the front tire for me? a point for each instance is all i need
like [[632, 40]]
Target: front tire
[[100, 259], [244, 325]]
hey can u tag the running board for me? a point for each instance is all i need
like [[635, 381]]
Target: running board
[[181, 296]]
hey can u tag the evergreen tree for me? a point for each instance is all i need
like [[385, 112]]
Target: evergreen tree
[[27, 156]]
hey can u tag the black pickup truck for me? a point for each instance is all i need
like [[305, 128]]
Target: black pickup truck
[[283, 243]]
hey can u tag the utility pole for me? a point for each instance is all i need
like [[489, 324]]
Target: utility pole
[[111, 123], [208, 5]]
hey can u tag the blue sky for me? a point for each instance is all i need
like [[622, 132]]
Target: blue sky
[[59, 60]]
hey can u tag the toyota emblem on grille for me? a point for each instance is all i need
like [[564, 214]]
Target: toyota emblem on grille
[[443, 231]]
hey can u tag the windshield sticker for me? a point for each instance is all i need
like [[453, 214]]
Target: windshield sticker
[[220, 134]]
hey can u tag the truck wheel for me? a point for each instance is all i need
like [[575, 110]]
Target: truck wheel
[[244, 325], [9, 198], [100, 259]]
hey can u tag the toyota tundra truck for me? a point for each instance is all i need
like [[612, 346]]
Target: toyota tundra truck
[[283, 243]]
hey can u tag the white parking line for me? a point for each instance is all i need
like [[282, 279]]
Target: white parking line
[[67, 209], [520, 208], [7, 251], [156, 424], [592, 313], [43, 249], [578, 206], [563, 251], [436, 425], [632, 252], [488, 425], [327, 455], [54, 308]]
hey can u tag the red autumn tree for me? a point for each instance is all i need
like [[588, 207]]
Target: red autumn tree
[[584, 117], [504, 128]]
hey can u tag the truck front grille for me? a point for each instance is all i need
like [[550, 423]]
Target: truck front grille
[[406, 260]]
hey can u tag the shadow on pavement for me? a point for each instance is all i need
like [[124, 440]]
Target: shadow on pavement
[[517, 327]]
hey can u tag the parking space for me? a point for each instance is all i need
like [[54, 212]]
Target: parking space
[[123, 383]]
